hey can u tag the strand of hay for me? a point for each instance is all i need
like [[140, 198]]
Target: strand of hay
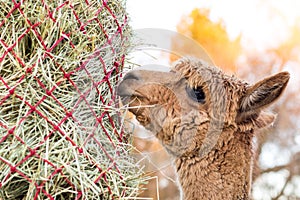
[[61, 136]]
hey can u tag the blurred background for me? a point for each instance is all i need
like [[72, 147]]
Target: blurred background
[[252, 39]]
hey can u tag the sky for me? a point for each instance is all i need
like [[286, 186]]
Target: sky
[[263, 23]]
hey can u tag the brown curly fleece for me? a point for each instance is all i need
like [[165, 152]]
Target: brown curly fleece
[[210, 138]]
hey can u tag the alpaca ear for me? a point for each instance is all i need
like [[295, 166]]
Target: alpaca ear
[[261, 95]]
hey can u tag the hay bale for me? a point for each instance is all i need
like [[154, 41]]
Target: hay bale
[[61, 136]]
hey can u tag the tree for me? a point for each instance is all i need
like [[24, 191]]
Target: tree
[[212, 36]]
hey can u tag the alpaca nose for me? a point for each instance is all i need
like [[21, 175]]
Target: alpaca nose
[[131, 76], [129, 83]]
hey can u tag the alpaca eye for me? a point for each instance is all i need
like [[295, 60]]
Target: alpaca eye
[[196, 94]]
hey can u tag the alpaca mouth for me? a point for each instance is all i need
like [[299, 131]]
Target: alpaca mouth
[[135, 102], [127, 98], [128, 94]]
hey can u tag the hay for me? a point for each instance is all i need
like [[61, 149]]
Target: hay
[[61, 136]]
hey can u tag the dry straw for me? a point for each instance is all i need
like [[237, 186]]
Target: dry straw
[[60, 134]]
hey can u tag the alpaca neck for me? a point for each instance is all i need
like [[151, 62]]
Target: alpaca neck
[[224, 173]]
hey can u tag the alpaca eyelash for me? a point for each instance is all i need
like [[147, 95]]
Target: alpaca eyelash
[[196, 94]]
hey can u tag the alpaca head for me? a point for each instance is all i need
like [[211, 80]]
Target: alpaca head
[[191, 106]]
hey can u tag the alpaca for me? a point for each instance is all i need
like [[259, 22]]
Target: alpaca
[[206, 120]]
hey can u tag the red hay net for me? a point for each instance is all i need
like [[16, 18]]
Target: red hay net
[[27, 70]]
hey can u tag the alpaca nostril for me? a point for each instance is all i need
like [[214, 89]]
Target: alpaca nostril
[[130, 76], [127, 85]]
